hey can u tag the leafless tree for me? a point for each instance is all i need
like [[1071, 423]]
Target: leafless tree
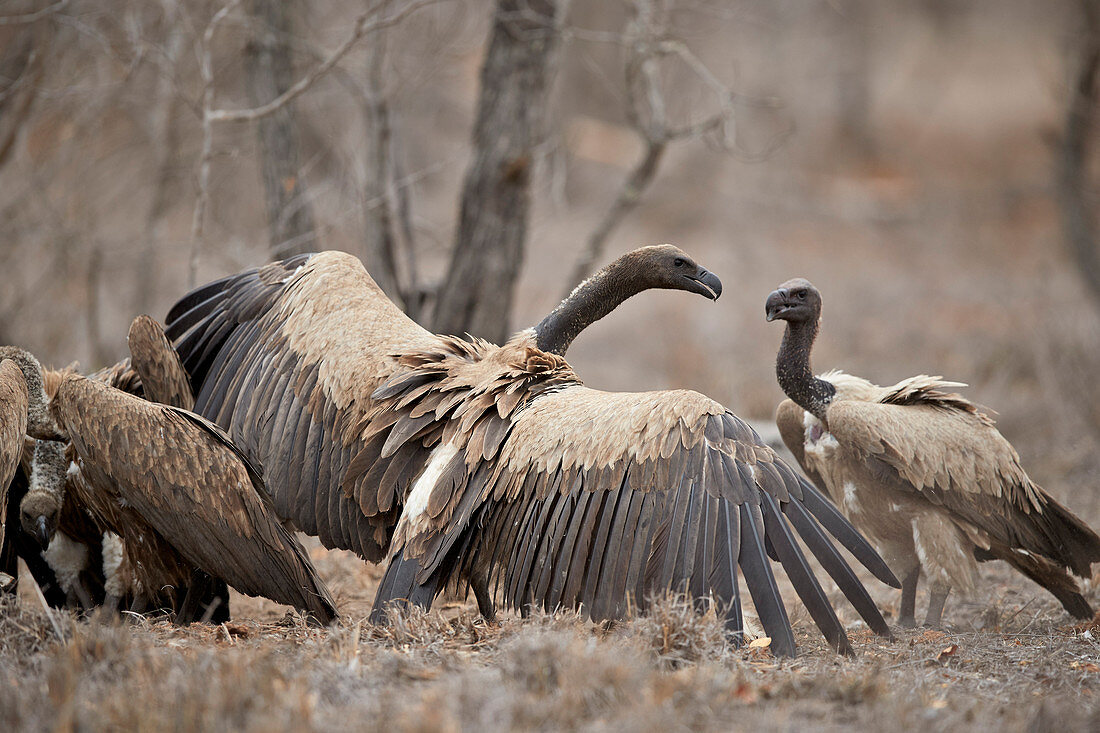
[[268, 63], [476, 294], [1078, 139], [648, 40]]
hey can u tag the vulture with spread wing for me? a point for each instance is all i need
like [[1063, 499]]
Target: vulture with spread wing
[[201, 504], [923, 472], [495, 463]]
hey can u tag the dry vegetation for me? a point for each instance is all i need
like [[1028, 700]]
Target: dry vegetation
[[1006, 662], [930, 224]]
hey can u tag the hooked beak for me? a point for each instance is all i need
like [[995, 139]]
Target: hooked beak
[[777, 304], [41, 533], [705, 283]]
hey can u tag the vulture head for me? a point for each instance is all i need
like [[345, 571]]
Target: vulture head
[[663, 266], [39, 513], [669, 267], [40, 423], [795, 301], [40, 510]]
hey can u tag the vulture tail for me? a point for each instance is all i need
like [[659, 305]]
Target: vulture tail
[[1045, 573], [1078, 546], [399, 587]]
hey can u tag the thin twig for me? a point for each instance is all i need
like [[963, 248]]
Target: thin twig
[[363, 25], [206, 68], [33, 17]]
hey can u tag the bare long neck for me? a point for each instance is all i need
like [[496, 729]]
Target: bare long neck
[[589, 302], [40, 422], [793, 371], [48, 468]]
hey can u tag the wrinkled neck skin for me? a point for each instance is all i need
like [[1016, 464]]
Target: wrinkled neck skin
[[796, 378], [589, 302]]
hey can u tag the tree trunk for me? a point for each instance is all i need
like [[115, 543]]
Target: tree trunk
[[1080, 229], [378, 225], [476, 295], [268, 64]]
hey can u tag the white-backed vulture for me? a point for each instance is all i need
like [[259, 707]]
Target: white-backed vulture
[[184, 478], [286, 357], [922, 472], [13, 428], [500, 465]]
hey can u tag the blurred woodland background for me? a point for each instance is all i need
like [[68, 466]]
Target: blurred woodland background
[[928, 165]]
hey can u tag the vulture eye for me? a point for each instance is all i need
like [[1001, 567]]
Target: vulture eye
[[801, 294], [679, 262]]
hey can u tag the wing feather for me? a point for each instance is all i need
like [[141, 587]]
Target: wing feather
[[190, 483], [581, 510], [305, 341]]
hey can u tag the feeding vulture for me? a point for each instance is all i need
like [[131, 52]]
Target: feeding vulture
[[13, 428], [202, 504], [495, 463], [922, 472], [51, 511]]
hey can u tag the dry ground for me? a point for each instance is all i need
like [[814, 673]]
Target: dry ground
[[1009, 660]]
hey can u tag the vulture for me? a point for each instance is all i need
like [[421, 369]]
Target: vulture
[[13, 428], [84, 560], [201, 504], [923, 472], [455, 458]]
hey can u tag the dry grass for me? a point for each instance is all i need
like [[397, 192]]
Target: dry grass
[[1009, 660]]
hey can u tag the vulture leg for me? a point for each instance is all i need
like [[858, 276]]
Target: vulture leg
[[936, 600], [81, 596], [479, 583], [908, 610]]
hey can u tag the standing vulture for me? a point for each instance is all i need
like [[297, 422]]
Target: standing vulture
[[200, 498], [923, 472], [495, 463]]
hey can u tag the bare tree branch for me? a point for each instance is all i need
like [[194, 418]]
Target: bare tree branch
[[33, 17], [476, 295], [646, 40], [378, 229], [206, 69], [269, 73], [363, 25]]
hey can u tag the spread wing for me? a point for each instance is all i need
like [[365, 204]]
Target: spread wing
[[950, 453], [285, 358], [190, 483], [601, 499], [13, 428], [163, 377]]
